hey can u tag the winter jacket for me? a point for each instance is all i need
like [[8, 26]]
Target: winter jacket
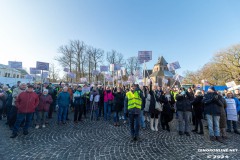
[[3, 99], [63, 99], [108, 96], [223, 116], [183, 103], [198, 106], [27, 102], [168, 107], [212, 104], [16, 92], [78, 98], [153, 100], [118, 101], [44, 102]]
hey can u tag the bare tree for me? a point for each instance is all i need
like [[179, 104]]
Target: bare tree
[[53, 73], [114, 57], [132, 64], [79, 49]]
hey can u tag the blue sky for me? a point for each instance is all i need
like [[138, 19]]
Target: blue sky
[[188, 31]]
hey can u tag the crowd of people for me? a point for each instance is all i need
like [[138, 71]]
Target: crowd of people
[[25, 105]]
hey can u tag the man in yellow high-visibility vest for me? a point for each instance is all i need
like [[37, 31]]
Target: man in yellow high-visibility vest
[[134, 103]]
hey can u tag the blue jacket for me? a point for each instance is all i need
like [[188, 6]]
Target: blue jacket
[[63, 99]]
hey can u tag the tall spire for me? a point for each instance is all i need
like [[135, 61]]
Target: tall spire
[[162, 61]]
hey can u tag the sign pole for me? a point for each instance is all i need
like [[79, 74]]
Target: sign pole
[[144, 70], [42, 82]]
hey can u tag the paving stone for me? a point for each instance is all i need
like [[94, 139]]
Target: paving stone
[[100, 140]]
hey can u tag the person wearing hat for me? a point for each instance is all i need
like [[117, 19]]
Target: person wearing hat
[[134, 103], [233, 106], [212, 108], [45, 101], [26, 104]]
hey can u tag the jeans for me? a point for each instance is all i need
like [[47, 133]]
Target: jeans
[[230, 124], [116, 117], [142, 121], [213, 121], [107, 111], [41, 117], [134, 124], [12, 116], [62, 113], [20, 118], [184, 121], [96, 111], [51, 109], [78, 111]]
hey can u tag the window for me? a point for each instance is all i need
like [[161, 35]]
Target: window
[[14, 75], [17, 76], [8, 75], [5, 75]]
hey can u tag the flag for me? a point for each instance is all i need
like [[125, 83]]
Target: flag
[[117, 67], [173, 66], [83, 80], [71, 75]]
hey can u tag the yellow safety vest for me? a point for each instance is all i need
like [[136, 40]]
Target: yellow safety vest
[[134, 100]]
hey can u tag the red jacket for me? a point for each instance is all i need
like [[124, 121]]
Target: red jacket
[[44, 102], [108, 96], [27, 102]]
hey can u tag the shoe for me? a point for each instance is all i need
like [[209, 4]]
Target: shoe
[[64, 123], [138, 139], [37, 126], [132, 139], [212, 138], [25, 133], [180, 133], [168, 129], [187, 134], [228, 130], [201, 132], [219, 139], [236, 131], [115, 124], [194, 130], [224, 137], [43, 126], [151, 124], [135, 138], [75, 122], [14, 135], [156, 124]]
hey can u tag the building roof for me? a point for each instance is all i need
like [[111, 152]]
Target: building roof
[[161, 61]]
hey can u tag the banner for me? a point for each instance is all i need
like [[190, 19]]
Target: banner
[[95, 72], [177, 77], [71, 75], [144, 56], [107, 75], [120, 73], [111, 67], [230, 84], [165, 81], [110, 79], [104, 68], [83, 80], [15, 64], [124, 72], [42, 66], [45, 74], [34, 71], [117, 67], [66, 70]]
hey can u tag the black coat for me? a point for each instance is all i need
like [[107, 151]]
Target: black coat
[[152, 109], [183, 103], [198, 106], [118, 103], [168, 108], [212, 104]]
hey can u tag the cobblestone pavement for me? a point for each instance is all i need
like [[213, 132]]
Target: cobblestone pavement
[[100, 140]]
